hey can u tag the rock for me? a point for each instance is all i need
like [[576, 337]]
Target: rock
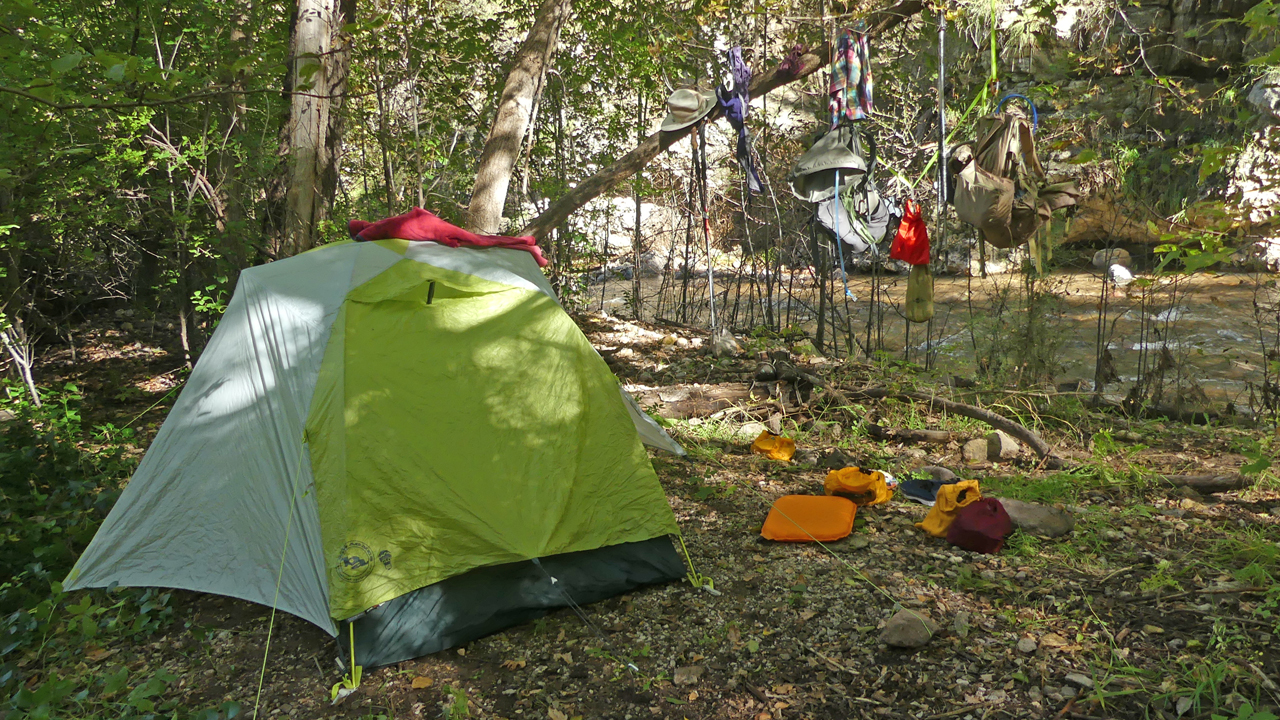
[[724, 344], [806, 456], [908, 629], [1114, 256], [775, 423], [1068, 692], [961, 624], [766, 373], [1039, 520], [750, 431], [837, 460], [1002, 446], [1027, 645], [1081, 680], [1265, 94], [688, 675], [940, 474], [975, 450]]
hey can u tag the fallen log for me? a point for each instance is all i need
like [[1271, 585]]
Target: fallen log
[[1208, 483], [879, 432], [687, 401], [999, 422]]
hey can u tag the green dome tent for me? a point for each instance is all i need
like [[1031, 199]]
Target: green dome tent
[[380, 437]]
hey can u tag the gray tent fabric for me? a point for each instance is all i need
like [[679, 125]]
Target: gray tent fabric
[[223, 501], [469, 606], [228, 475]]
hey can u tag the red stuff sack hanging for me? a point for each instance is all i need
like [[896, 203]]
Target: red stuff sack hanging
[[911, 245]]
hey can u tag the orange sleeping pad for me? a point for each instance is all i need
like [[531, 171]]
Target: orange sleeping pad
[[805, 518]]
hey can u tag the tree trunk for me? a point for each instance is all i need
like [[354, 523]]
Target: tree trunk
[[316, 83], [624, 167], [502, 148]]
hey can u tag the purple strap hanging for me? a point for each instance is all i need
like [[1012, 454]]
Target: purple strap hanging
[[735, 103]]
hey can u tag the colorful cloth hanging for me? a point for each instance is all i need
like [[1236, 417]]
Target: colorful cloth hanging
[[735, 103], [851, 85]]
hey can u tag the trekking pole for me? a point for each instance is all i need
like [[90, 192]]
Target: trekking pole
[[706, 220]]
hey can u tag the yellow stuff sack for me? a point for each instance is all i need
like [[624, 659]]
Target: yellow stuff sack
[[774, 447], [950, 499], [864, 487]]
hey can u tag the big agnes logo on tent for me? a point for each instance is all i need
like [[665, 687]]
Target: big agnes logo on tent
[[355, 561]]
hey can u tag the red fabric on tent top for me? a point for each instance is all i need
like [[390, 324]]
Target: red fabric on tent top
[[418, 225]]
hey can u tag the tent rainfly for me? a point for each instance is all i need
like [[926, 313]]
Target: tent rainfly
[[399, 440]]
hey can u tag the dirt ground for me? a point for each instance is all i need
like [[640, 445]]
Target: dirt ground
[[1161, 603]]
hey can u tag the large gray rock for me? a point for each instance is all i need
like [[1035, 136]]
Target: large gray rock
[[908, 629], [1265, 95], [1002, 446], [1039, 520], [975, 450]]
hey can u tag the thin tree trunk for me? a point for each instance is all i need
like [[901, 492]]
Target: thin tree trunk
[[768, 81], [316, 84], [502, 148]]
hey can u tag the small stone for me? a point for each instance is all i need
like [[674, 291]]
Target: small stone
[[1068, 692], [1176, 644], [1081, 680], [688, 674], [765, 372], [1001, 446], [1027, 645], [750, 431], [940, 474], [724, 344], [961, 624], [1035, 519], [1113, 256], [805, 456], [858, 542], [1173, 512], [908, 629], [836, 460], [975, 450], [669, 340]]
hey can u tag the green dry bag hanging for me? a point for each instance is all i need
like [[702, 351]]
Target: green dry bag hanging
[[919, 305]]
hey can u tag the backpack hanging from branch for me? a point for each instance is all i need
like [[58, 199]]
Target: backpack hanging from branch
[[1001, 187]]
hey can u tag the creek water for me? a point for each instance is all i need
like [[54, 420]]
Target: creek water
[[1203, 327]]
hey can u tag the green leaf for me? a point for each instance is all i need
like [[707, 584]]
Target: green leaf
[[116, 72], [1262, 462], [115, 682], [67, 63]]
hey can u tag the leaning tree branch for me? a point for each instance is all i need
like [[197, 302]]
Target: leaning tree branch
[[624, 167]]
